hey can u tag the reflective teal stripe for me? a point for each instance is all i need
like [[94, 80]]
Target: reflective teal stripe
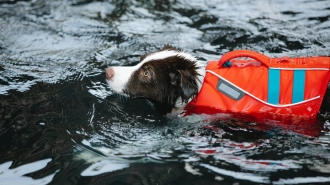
[[298, 88], [273, 86]]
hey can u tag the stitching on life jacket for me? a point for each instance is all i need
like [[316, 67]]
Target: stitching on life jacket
[[264, 102]]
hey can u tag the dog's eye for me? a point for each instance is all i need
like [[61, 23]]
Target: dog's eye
[[146, 73]]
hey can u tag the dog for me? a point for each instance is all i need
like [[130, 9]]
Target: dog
[[169, 78]]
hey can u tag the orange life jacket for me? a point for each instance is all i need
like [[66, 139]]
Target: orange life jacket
[[263, 88]]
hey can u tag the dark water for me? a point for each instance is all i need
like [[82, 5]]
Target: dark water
[[61, 124]]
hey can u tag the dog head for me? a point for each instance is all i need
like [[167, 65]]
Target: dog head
[[169, 78]]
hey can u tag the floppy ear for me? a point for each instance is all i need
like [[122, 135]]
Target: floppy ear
[[188, 85], [185, 84], [175, 77]]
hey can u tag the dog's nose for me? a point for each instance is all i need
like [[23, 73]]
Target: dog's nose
[[109, 72]]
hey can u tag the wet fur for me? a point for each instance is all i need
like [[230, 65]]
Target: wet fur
[[169, 83]]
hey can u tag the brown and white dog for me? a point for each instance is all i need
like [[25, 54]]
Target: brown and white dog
[[169, 78]]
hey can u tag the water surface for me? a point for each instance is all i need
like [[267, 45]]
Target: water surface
[[61, 124]]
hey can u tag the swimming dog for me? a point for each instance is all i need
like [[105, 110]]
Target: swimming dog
[[169, 78]]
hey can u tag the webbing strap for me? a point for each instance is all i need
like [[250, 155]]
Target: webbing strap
[[298, 89], [273, 86], [298, 86]]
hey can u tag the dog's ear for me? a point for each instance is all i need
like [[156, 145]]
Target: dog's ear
[[185, 84], [175, 77], [188, 85]]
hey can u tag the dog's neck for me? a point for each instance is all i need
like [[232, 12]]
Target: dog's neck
[[179, 106]]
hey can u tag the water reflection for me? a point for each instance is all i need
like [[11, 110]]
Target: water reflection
[[90, 139]]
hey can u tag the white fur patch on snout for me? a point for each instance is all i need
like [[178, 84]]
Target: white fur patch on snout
[[121, 76]]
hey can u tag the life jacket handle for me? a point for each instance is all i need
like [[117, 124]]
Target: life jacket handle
[[284, 62], [244, 53]]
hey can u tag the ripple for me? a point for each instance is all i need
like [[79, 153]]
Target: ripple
[[55, 102]]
